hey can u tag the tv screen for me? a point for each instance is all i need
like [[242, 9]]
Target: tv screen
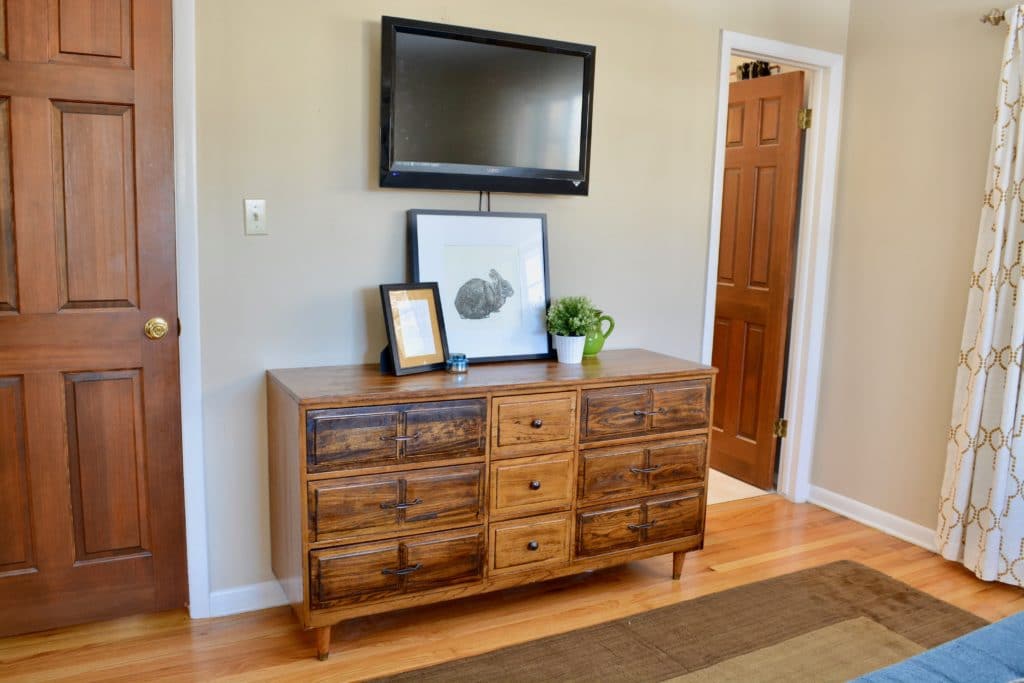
[[477, 110]]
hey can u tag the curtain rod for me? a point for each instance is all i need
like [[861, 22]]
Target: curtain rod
[[995, 17]]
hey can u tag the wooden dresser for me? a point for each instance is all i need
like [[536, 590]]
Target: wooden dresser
[[389, 492]]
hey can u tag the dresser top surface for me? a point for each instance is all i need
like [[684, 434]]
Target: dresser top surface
[[348, 382]]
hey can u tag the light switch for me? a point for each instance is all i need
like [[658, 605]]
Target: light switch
[[255, 216]]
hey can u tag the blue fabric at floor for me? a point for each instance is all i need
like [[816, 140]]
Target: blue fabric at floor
[[991, 654]]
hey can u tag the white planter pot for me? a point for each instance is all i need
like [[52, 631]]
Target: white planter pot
[[569, 349]]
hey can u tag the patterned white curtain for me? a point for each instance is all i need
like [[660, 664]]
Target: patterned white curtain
[[981, 519]]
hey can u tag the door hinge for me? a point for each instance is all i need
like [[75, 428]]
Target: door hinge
[[803, 119], [780, 428]]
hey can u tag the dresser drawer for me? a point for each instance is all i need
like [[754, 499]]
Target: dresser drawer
[[641, 468], [537, 423], [372, 571], [531, 543], [542, 483], [392, 504], [629, 525], [351, 438], [608, 529], [638, 410], [675, 515]]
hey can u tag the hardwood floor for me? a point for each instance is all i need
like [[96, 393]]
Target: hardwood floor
[[748, 540]]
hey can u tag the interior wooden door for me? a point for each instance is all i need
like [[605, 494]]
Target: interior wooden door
[[755, 272], [91, 499]]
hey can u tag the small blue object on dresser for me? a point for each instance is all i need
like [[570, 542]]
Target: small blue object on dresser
[[991, 654]]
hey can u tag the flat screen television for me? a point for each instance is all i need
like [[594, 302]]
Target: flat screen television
[[467, 109]]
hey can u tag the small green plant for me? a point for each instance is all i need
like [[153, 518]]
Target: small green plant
[[572, 316]]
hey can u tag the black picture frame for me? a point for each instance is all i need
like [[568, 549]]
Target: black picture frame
[[416, 236], [401, 363]]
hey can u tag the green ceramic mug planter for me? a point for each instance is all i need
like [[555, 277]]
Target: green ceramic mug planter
[[595, 338]]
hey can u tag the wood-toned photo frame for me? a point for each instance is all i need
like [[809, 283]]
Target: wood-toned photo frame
[[492, 275], [415, 325]]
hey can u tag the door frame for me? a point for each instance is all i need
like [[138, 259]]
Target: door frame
[[814, 241], [186, 219]]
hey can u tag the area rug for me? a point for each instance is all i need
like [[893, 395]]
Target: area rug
[[829, 623]]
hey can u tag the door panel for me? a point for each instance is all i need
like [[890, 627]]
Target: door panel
[[735, 125], [94, 201], [720, 360], [758, 236], [768, 126], [750, 381], [761, 239], [91, 31], [8, 274], [91, 486], [106, 457], [730, 217], [15, 518]]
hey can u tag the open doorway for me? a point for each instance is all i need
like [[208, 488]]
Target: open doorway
[[761, 184], [769, 243]]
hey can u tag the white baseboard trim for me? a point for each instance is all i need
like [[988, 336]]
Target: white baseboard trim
[[887, 522], [246, 598]]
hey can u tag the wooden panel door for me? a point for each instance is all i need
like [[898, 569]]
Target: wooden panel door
[[755, 272], [91, 497]]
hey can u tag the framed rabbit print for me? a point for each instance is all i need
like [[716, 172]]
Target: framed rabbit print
[[492, 275]]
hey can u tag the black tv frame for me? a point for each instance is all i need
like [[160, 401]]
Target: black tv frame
[[496, 178]]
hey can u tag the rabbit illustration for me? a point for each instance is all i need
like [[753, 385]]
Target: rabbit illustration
[[477, 298]]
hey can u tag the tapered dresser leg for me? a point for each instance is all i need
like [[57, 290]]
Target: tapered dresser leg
[[677, 564], [323, 642]]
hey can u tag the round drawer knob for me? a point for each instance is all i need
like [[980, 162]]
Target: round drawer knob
[[534, 485], [532, 545], [537, 424]]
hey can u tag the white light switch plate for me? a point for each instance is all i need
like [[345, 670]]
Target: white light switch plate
[[256, 217]]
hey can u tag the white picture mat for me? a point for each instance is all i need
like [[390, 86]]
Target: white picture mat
[[454, 248], [413, 317]]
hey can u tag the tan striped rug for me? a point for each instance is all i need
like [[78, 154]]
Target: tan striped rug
[[829, 623]]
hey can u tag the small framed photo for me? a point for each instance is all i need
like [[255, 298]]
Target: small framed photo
[[491, 270], [415, 323]]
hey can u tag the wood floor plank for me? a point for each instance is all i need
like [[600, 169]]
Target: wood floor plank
[[747, 540]]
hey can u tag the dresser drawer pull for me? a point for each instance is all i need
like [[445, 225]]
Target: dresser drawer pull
[[637, 527], [645, 413], [537, 424], [401, 438], [400, 506], [644, 470], [534, 485], [403, 571], [532, 545]]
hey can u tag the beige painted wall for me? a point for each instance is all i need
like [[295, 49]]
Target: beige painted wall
[[921, 88], [288, 112]]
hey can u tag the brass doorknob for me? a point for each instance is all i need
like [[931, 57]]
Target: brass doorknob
[[155, 328]]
